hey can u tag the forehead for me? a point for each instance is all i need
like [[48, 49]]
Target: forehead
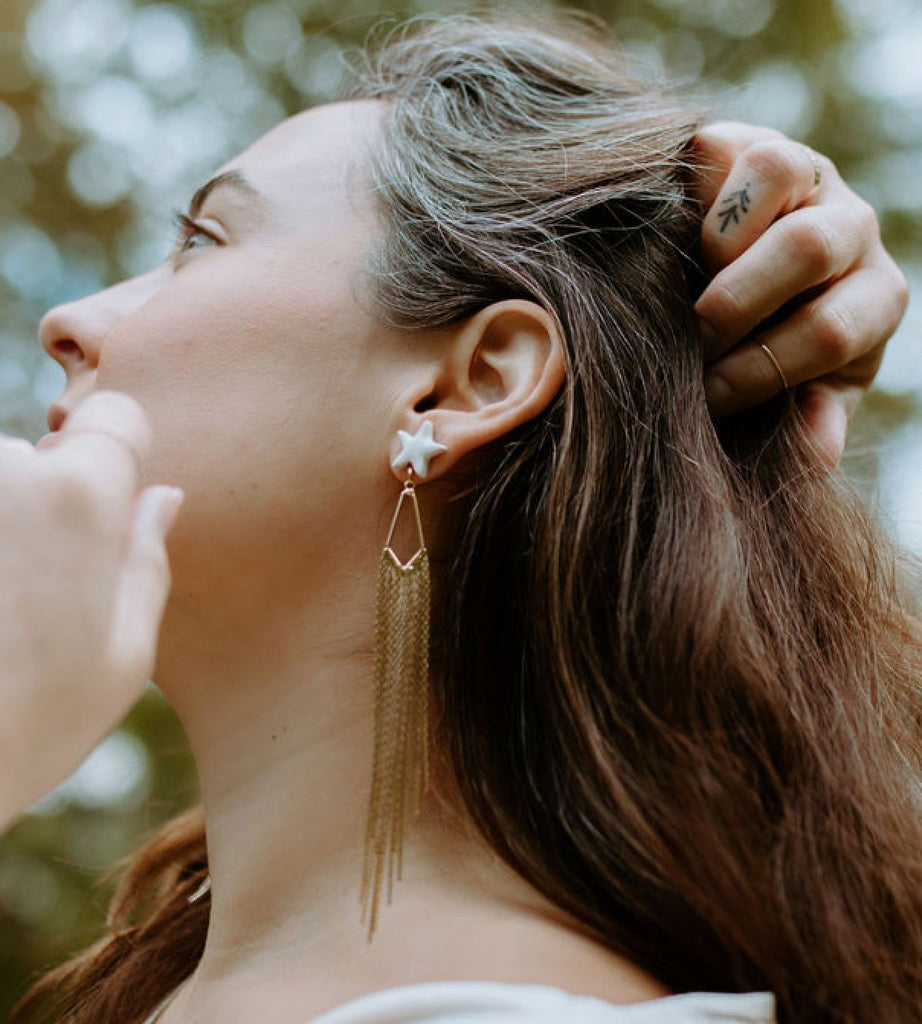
[[312, 162]]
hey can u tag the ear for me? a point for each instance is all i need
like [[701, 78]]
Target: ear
[[497, 370]]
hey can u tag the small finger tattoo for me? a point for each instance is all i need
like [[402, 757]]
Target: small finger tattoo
[[735, 204]]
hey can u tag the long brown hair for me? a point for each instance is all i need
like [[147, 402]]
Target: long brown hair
[[680, 680]]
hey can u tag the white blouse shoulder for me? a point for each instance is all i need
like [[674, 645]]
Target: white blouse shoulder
[[472, 1002], [487, 1002]]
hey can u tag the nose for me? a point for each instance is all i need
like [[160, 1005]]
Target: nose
[[72, 334]]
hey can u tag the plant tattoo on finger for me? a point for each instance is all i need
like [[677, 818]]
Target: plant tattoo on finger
[[733, 205]]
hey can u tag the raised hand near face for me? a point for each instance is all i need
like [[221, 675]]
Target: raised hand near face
[[804, 294], [84, 582]]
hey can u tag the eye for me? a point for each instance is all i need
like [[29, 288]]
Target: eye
[[192, 235]]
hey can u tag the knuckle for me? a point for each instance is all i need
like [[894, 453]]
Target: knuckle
[[832, 330], [774, 160], [724, 304], [866, 220], [809, 240]]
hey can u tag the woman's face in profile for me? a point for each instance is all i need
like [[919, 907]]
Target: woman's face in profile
[[254, 351]]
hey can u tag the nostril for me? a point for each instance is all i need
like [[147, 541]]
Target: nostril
[[66, 347]]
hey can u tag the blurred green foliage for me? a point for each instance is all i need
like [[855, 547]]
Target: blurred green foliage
[[111, 111]]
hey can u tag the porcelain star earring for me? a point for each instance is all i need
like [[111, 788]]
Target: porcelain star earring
[[400, 772], [417, 449]]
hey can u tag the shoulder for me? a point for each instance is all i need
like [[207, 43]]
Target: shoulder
[[494, 1003]]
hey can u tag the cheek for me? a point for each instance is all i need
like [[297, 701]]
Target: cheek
[[252, 399]]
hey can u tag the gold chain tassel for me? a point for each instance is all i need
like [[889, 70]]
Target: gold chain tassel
[[400, 771]]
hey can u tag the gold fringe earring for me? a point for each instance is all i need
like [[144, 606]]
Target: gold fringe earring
[[400, 772]]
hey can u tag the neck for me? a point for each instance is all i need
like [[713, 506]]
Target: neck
[[278, 710], [279, 714]]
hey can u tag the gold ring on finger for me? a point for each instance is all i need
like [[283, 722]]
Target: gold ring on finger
[[817, 167], [785, 384]]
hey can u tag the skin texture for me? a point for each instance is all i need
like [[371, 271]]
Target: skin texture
[[274, 399]]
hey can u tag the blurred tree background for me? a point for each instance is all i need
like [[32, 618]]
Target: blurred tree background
[[111, 111]]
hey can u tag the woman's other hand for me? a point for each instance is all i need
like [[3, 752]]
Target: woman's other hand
[[83, 582], [800, 269]]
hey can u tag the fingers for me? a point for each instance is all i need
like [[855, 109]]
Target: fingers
[[838, 333], [110, 416], [144, 584], [717, 146], [769, 179], [806, 248], [105, 440], [826, 410], [801, 269]]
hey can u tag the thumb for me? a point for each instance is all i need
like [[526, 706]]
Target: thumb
[[144, 585]]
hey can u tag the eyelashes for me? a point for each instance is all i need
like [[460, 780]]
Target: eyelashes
[[189, 234]]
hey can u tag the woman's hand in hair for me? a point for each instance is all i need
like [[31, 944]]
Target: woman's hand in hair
[[83, 583], [799, 268]]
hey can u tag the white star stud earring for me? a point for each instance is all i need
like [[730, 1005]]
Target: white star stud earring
[[417, 449]]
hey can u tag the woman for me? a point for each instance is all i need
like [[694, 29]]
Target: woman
[[673, 690]]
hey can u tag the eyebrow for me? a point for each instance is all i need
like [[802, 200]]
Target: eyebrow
[[229, 179]]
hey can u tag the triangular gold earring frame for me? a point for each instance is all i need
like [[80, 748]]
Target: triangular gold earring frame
[[400, 773]]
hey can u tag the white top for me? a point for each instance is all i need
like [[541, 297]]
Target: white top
[[488, 1002]]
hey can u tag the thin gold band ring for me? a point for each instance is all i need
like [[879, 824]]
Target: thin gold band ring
[[785, 383], [817, 167]]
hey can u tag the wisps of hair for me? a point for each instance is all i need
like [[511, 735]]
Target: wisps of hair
[[681, 686], [155, 937]]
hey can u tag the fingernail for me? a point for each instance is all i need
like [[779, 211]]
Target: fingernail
[[169, 508], [720, 396], [158, 508]]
